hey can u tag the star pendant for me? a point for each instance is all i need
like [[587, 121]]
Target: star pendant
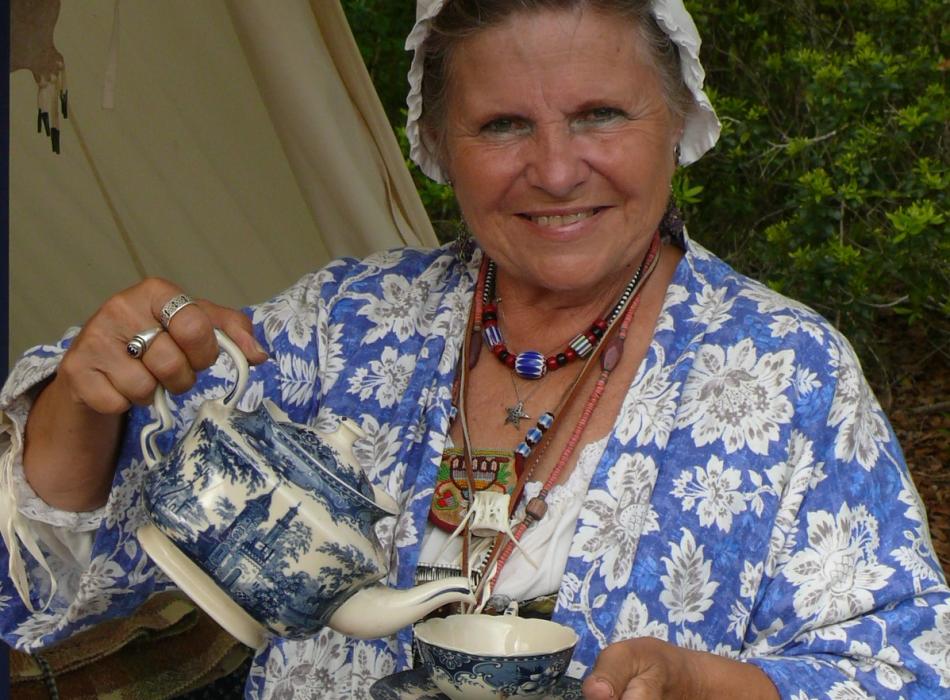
[[516, 414]]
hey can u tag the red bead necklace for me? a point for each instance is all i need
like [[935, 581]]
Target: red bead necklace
[[531, 364]]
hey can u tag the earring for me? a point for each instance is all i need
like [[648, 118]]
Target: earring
[[464, 244], [672, 225]]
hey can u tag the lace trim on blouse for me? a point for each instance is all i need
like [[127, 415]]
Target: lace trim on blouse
[[36, 509]]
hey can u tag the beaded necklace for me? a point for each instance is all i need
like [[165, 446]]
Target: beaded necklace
[[541, 432], [531, 364], [610, 356]]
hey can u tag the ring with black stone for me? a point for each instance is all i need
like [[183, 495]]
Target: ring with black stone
[[141, 341]]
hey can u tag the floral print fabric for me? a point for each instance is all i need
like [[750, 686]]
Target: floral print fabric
[[751, 500]]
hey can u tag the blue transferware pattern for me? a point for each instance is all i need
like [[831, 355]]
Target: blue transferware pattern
[[225, 512], [530, 675], [300, 456], [260, 429], [416, 685]]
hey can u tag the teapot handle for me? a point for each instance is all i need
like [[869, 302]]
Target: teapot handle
[[150, 433]]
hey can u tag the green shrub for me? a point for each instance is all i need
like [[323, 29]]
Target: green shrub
[[830, 180]]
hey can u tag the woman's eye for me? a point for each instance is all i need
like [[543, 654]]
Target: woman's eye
[[601, 115], [504, 125]]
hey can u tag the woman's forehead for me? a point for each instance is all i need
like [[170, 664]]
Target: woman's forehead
[[565, 91], [556, 56]]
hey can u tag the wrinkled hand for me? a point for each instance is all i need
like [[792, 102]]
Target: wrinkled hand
[[101, 375], [75, 423], [650, 669]]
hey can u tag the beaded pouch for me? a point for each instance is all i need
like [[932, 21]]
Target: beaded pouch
[[493, 470]]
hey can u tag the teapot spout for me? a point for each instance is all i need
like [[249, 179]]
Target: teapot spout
[[378, 611]]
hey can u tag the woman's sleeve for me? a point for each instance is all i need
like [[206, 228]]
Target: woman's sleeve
[[853, 603], [74, 585]]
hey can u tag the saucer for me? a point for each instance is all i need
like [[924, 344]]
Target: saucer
[[415, 685], [200, 587]]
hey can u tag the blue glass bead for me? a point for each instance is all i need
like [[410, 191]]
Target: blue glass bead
[[546, 420], [530, 365], [523, 449], [533, 436], [453, 412], [492, 335]]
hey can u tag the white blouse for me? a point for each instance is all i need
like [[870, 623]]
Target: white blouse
[[547, 542]]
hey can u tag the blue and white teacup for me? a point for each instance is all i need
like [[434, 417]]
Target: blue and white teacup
[[491, 657]]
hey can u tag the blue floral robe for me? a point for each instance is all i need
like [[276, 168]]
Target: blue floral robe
[[751, 501]]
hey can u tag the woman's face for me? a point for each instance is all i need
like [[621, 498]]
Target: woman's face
[[560, 147]]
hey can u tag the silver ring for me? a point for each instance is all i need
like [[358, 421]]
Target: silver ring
[[173, 306], [141, 341]]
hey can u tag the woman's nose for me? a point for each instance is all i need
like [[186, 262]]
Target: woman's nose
[[555, 162]]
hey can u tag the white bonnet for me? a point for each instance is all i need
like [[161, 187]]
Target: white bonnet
[[702, 126]]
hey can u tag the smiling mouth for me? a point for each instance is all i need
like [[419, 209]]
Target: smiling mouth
[[558, 220]]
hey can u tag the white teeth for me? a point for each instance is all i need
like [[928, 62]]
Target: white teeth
[[555, 221]]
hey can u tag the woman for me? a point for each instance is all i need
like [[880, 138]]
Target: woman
[[718, 502]]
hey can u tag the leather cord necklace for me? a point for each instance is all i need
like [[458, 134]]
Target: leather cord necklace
[[609, 351]]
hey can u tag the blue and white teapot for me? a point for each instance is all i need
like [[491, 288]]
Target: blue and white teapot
[[268, 525]]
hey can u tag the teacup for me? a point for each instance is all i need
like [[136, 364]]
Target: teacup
[[491, 657]]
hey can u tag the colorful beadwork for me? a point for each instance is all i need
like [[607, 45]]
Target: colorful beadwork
[[485, 315], [493, 470], [536, 508], [532, 364], [533, 436]]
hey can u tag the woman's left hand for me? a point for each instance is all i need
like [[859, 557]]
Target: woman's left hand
[[651, 669]]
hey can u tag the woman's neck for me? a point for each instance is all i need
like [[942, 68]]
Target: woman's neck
[[540, 319]]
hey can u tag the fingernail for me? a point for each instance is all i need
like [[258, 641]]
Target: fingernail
[[260, 348], [604, 688]]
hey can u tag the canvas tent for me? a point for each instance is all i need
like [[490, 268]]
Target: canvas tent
[[246, 146]]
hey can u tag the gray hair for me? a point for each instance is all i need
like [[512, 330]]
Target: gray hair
[[460, 19]]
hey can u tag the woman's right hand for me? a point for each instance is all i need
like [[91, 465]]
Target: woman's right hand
[[74, 427]]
